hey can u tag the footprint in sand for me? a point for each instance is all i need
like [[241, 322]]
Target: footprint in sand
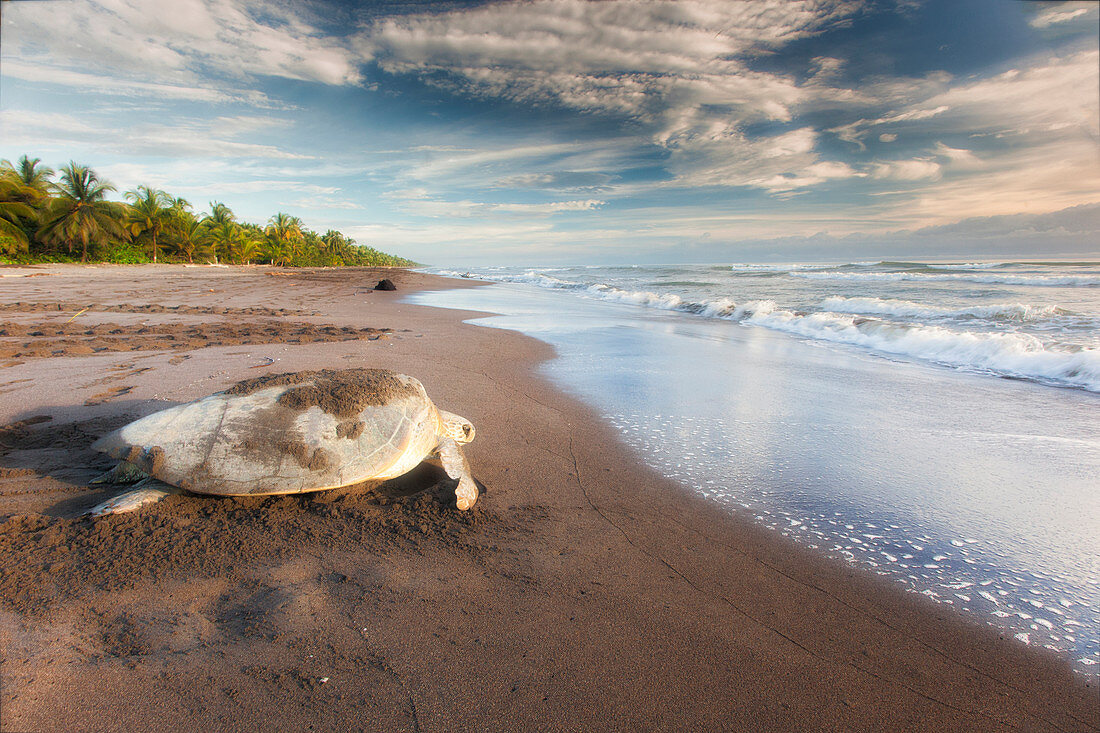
[[107, 396]]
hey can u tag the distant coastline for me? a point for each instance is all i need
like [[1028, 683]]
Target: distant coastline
[[49, 216]]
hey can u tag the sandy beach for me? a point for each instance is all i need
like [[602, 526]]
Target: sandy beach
[[582, 592]]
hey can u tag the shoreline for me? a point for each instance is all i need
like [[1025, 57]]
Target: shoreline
[[584, 590]]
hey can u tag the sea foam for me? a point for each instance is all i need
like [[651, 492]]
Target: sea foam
[[909, 309], [1080, 281], [1005, 354]]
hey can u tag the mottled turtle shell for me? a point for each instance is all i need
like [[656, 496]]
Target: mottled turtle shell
[[286, 433]]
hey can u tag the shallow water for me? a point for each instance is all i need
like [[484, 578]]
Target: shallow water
[[979, 492]]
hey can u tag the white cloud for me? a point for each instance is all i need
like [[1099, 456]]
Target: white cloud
[[1042, 95], [907, 170], [1058, 13], [854, 132], [254, 186], [559, 180], [958, 157], [1023, 140], [99, 84], [191, 49], [185, 138], [322, 202], [463, 209], [551, 207]]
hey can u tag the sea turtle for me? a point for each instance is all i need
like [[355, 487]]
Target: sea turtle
[[288, 433]]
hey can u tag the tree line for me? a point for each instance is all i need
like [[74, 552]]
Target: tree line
[[43, 219]]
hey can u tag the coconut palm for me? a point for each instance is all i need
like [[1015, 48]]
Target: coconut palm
[[219, 214], [191, 237], [29, 173], [15, 215], [278, 252], [249, 248], [149, 213], [179, 206], [81, 212], [285, 233], [223, 239], [23, 189]]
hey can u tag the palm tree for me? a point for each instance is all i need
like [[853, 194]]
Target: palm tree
[[285, 232], [191, 236], [179, 206], [148, 212], [249, 248], [223, 238], [22, 190], [219, 214], [81, 213], [279, 252], [29, 173], [14, 216]]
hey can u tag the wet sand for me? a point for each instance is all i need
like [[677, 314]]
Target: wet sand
[[582, 592]]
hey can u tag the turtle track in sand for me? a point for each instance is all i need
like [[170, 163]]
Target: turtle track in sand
[[24, 341]]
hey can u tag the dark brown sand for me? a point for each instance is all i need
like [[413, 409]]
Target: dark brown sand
[[582, 592]]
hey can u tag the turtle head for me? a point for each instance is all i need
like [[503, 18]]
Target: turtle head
[[458, 428]]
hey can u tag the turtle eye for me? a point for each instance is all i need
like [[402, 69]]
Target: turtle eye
[[466, 429]]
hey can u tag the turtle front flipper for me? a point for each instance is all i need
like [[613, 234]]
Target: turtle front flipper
[[124, 472], [145, 492], [454, 463]]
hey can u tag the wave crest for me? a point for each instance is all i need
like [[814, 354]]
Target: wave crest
[[1080, 281], [908, 309]]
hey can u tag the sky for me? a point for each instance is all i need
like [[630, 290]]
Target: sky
[[573, 132]]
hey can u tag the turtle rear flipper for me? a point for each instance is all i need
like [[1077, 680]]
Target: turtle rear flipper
[[145, 492], [123, 473]]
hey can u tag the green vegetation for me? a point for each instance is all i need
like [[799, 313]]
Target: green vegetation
[[70, 219]]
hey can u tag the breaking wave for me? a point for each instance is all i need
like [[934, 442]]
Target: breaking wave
[[908, 309], [1003, 354], [852, 321], [1080, 281]]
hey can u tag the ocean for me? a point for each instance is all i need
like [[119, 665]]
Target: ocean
[[936, 423]]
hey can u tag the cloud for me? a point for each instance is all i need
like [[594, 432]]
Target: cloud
[[86, 83], [602, 55], [778, 164], [1022, 140], [1077, 220], [435, 208], [186, 138], [907, 170], [254, 186], [853, 132], [1049, 94], [195, 49], [322, 202], [559, 181], [1060, 13], [466, 167], [681, 71]]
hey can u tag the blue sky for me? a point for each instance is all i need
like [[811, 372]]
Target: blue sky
[[563, 131]]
